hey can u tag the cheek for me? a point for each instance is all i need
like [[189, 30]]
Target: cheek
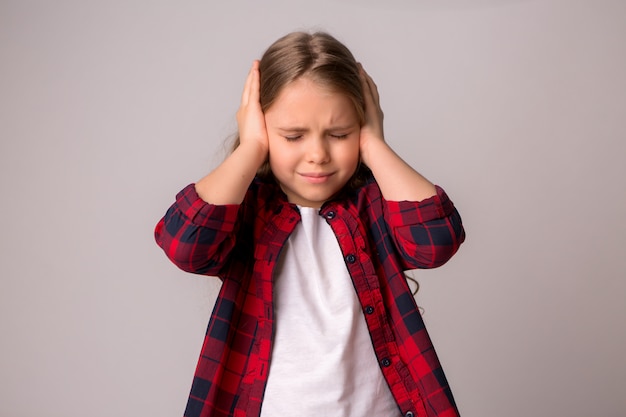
[[351, 152], [280, 156], [272, 141], [276, 147]]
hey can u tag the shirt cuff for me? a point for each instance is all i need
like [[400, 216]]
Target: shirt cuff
[[201, 213], [410, 212]]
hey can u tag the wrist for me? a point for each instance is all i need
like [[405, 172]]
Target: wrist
[[254, 153], [371, 148]]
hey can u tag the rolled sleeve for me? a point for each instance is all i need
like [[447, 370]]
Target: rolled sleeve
[[195, 235], [427, 233]]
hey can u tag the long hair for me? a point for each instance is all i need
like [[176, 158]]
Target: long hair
[[323, 59]]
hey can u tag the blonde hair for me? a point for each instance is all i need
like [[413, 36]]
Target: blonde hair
[[323, 59]]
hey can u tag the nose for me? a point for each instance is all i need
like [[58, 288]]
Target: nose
[[317, 151]]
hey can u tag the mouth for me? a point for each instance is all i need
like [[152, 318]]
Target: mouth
[[316, 177]]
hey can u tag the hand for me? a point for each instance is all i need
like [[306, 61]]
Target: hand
[[250, 117], [397, 180], [229, 182], [372, 129]]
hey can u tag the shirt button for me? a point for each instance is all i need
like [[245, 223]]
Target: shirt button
[[351, 259], [369, 310], [409, 414], [330, 215], [385, 362]]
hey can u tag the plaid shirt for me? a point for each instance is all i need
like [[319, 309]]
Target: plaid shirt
[[379, 240]]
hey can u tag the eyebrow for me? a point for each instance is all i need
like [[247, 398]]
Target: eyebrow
[[296, 129], [292, 129]]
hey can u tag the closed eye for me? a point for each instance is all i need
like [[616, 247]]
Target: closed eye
[[339, 136], [293, 138]]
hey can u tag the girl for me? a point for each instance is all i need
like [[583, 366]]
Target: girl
[[310, 224]]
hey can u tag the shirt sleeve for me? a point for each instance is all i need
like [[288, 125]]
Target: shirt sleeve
[[426, 233], [197, 236]]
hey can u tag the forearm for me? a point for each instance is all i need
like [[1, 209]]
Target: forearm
[[397, 180], [228, 183]]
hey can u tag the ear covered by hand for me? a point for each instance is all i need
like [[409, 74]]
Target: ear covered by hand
[[250, 117], [372, 129]]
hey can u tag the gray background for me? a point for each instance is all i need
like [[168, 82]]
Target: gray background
[[108, 108]]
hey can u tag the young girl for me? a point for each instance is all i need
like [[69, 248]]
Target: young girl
[[310, 224]]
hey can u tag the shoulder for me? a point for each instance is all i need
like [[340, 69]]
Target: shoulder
[[367, 196], [264, 191], [263, 200]]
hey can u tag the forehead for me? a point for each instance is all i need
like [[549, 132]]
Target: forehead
[[304, 100]]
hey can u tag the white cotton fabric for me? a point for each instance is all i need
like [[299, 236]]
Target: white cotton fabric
[[323, 362]]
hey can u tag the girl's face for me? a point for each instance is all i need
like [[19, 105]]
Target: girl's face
[[313, 142]]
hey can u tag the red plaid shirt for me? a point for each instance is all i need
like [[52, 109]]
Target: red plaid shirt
[[379, 240]]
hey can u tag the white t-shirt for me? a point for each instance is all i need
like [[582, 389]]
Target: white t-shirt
[[323, 362]]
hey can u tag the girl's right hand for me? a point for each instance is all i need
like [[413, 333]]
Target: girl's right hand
[[250, 117], [229, 182]]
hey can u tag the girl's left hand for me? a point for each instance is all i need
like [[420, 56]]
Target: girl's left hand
[[372, 129], [397, 180]]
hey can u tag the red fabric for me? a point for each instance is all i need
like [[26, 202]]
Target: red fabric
[[241, 243]]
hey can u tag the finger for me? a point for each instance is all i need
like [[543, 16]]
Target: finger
[[245, 96], [364, 84], [365, 80], [372, 87], [246, 90], [371, 100], [255, 84]]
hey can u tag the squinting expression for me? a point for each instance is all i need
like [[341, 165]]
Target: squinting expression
[[313, 142]]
